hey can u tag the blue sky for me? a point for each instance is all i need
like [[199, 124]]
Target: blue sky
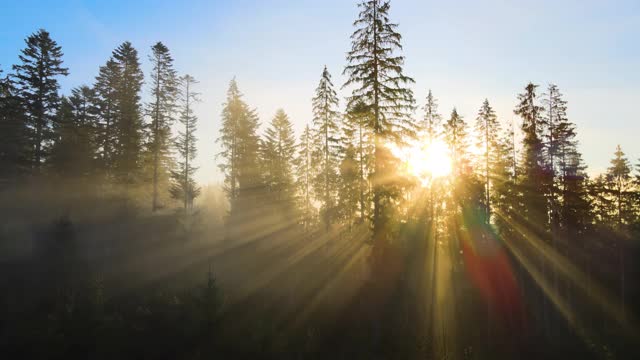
[[463, 50]]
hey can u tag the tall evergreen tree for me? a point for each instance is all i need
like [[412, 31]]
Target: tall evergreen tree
[[358, 132], [456, 137], [240, 148], [129, 125], [106, 102], [431, 129], [619, 186], [279, 149], [14, 146], [432, 119], [37, 83], [183, 186], [74, 149], [488, 131], [305, 176], [325, 126], [161, 110], [376, 73], [533, 176]]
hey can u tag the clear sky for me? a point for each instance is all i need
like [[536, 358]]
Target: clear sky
[[463, 50]]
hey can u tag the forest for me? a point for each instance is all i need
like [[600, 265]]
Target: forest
[[389, 228]]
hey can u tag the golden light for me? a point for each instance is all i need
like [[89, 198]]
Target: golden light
[[424, 161]]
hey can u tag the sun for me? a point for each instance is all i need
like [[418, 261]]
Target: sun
[[425, 161]]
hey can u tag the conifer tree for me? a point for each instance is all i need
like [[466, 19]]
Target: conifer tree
[[357, 132], [184, 187], [129, 125], [106, 102], [325, 143], [305, 176], [74, 149], [349, 185], [161, 110], [37, 84], [240, 148], [279, 149], [432, 119], [14, 146], [488, 130], [431, 128], [456, 136], [533, 175], [619, 186], [376, 73]]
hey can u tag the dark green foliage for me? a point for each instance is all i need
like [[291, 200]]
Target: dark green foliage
[[14, 145], [129, 123], [74, 150], [106, 103], [37, 84]]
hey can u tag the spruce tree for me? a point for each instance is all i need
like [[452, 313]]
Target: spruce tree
[[325, 143], [358, 132], [375, 71], [129, 125], [106, 102], [349, 185], [279, 150], [37, 84], [619, 186], [532, 177], [239, 144], [184, 187], [456, 137], [431, 128], [161, 110], [432, 119], [14, 145], [488, 131], [74, 150], [305, 176]]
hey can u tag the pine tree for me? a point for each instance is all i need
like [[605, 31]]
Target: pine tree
[[619, 186], [75, 148], [432, 119], [376, 73], [431, 129], [488, 130], [183, 185], [14, 146], [305, 176], [325, 143], [37, 84], [349, 185], [279, 150], [106, 102], [532, 177], [161, 109], [504, 196], [357, 132], [240, 149], [456, 137], [129, 125]]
